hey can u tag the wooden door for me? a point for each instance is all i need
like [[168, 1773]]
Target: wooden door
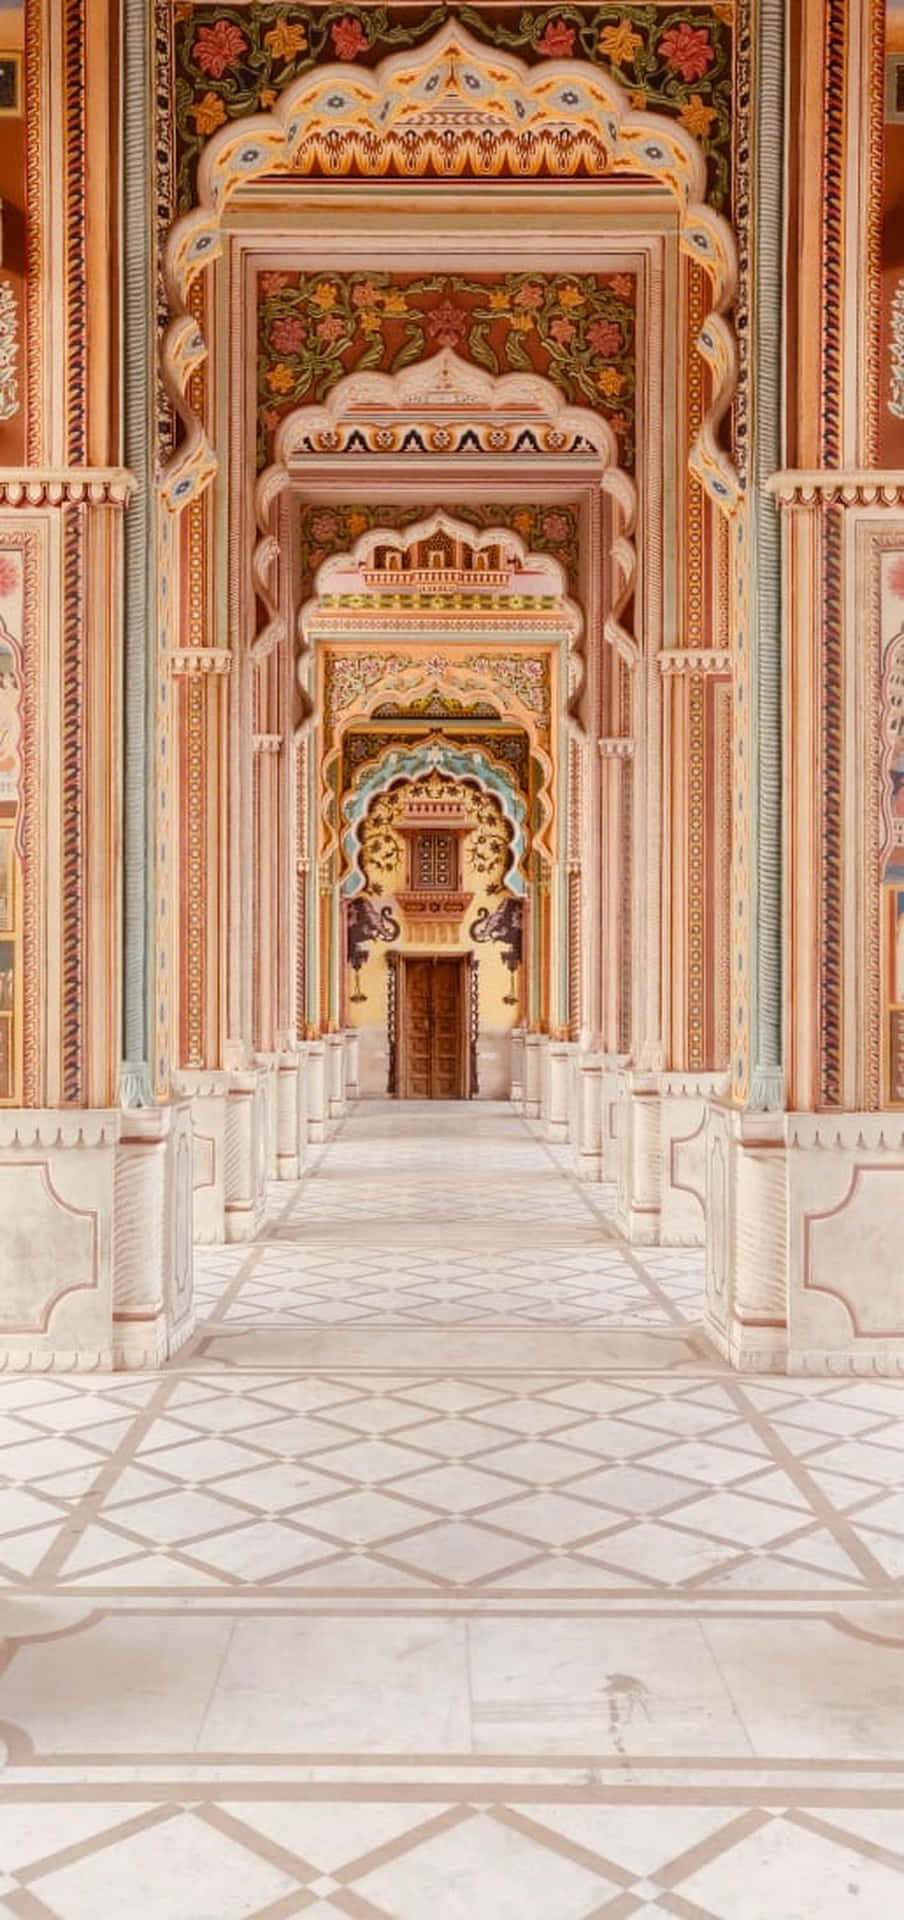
[[448, 979], [417, 1042], [434, 1058]]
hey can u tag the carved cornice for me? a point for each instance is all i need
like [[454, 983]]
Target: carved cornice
[[679, 660], [334, 625], [188, 660], [53, 1128], [838, 487], [611, 749], [65, 486]]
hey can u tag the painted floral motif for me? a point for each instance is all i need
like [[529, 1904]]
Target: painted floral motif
[[327, 530], [689, 50], [235, 60], [575, 329], [218, 48]]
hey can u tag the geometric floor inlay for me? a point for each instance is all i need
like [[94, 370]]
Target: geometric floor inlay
[[550, 1636]]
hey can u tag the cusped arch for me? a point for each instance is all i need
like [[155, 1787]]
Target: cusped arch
[[449, 106], [457, 398], [470, 764], [510, 685]]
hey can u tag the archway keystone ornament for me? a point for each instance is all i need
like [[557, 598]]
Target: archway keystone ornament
[[451, 108]]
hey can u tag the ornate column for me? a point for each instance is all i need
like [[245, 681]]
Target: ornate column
[[803, 1259], [99, 1194]]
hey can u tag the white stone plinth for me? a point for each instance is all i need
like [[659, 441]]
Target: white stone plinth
[[286, 1084], [95, 1253], [317, 1109], [231, 1119], [587, 1137], [334, 1044], [661, 1123], [612, 1066], [804, 1272], [57, 1179], [533, 1074], [352, 1068], [516, 1094], [558, 1081], [153, 1308]]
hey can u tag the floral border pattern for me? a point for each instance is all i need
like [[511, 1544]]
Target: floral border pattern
[[575, 329], [231, 61]]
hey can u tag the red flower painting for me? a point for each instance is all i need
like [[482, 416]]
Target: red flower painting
[[605, 336], [218, 47], [287, 333], [688, 49], [556, 38], [447, 325], [348, 37]]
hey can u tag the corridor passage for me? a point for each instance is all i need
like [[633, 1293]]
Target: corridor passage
[[447, 1575]]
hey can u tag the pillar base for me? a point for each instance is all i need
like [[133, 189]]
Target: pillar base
[[335, 1051], [534, 1044], [232, 1144], [516, 1063], [96, 1265], [286, 1074], [660, 1124], [586, 1129], [803, 1270], [556, 1081]]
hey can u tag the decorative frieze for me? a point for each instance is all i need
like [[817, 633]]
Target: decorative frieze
[[682, 660], [191, 660], [837, 487], [66, 486]]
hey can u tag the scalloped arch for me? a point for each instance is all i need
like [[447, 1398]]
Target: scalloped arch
[[452, 105], [445, 388], [431, 756], [406, 681]]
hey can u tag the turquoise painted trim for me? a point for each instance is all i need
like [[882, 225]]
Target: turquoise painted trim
[[410, 764]]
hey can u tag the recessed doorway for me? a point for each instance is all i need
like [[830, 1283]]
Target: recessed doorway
[[434, 1041]]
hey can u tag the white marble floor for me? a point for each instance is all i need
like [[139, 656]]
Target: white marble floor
[[448, 1574]]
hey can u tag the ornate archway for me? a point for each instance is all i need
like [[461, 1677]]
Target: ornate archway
[[450, 107]]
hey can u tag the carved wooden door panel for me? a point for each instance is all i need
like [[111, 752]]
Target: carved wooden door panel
[[433, 1050], [418, 1030], [447, 1030]]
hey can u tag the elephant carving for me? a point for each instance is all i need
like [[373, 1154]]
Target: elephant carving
[[364, 923], [505, 925]]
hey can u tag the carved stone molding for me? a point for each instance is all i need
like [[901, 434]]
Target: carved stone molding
[[55, 1127], [616, 749], [267, 742], [66, 486], [189, 660], [837, 487], [680, 660]]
